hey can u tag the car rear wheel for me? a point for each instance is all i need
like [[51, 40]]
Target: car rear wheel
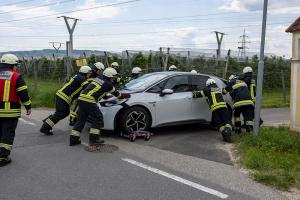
[[135, 119]]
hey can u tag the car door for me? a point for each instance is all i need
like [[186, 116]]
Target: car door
[[200, 108], [174, 107]]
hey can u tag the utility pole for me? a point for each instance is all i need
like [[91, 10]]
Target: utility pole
[[242, 49], [219, 36], [56, 45], [71, 31], [260, 75], [227, 63]]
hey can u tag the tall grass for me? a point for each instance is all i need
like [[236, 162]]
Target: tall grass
[[274, 156]]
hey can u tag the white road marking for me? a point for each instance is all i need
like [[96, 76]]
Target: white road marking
[[177, 178], [27, 122]]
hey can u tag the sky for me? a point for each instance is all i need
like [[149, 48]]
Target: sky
[[117, 25]]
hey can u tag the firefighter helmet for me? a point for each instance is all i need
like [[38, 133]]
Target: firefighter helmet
[[85, 70], [136, 70], [114, 65], [172, 68], [9, 59], [194, 71], [99, 66], [110, 72], [210, 81], [247, 70], [232, 77]]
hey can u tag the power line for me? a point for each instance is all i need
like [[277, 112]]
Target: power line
[[30, 8], [15, 3], [72, 11]]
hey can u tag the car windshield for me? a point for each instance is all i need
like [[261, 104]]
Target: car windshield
[[144, 81]]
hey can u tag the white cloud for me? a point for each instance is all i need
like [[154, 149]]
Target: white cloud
[[26, 13], [275, 6], [94, 14]]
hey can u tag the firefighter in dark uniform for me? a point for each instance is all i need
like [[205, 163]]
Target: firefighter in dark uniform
[[97, 69], [87, 103], [247, 78], [119, 81], [221, 117], [135, 73], [65, 97], [13, 90], [242, 103]]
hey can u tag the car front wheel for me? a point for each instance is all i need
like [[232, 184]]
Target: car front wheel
[[135, 119]]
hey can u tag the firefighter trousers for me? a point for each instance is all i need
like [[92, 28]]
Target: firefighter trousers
[[221, 119], [248, 115], [62, 110], [7, 135], [85, 110]]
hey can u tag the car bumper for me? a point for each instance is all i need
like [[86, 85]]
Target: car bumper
[[109, 114]]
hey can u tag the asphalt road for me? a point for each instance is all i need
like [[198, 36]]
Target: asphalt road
[[186, 162]]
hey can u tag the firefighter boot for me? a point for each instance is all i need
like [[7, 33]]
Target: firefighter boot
[[74, 140], [46, 129], [4, 161], [237, 127], [226, 135], [95, 140], [249, 128]]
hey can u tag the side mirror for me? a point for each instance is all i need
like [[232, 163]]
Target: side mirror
[[166, 92]]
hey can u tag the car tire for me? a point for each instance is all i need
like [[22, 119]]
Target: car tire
[[134, 119]]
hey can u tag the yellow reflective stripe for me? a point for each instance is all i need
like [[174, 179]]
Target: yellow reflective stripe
[[6, 146], [213, 96], [237, 119], [219, 106], [19, 89], [64, 97], [249, 123], [112, 90], [221, 129], [228, 126], [6, 106], [202, 93], [75, 133], [66, 85], [73, 114], [84, 97], [96, 88], [245, 102], [94, 131], [10, 115], [237, 85], [10, 110], [6, 90], [27, 103], [252, 91], [49, 122], [79, 89]]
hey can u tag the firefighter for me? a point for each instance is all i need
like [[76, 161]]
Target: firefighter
[[13, 90], [64, 98], [118, 82], [97, 69], [135, 73], [221, 117], [247, 78], [87, 103], [242, 103], [194, 71], [173, 68]]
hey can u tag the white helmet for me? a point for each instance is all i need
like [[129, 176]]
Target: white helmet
[[194, 71], [247, 70], [232, 77], [210, 82], [85, 70], [10, 59], [99, 65], [172, 68], [136, 70], [110, 72], [114, 65]]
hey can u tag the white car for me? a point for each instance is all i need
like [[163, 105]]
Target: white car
[[160, 99]]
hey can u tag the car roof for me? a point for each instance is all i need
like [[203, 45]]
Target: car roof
[[169, 73]]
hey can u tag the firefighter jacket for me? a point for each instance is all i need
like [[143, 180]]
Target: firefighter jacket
[[97, 89], [251, 85], [214, 97], [72, 89], [239, 92], [13, 91]]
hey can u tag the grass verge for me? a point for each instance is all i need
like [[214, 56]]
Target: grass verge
[[44, 96], [275, 99], [273, 157]]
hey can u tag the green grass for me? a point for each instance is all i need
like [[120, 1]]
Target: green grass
[[274, 99], [273, 157], [45, 94]]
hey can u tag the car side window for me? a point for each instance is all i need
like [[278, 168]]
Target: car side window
[[178, 84], [199, 82], [158, 87]]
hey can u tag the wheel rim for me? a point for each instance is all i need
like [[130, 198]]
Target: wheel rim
[[135, 121]]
